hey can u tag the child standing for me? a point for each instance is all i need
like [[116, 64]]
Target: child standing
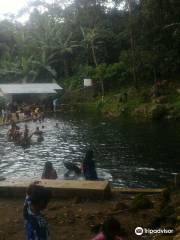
[[36, 201]]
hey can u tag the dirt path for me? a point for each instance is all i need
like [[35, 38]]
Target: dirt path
[[75, 219]]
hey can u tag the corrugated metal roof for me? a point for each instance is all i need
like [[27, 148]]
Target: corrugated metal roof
[[28, 88]]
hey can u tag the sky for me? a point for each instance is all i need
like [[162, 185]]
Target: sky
[[12, 7]]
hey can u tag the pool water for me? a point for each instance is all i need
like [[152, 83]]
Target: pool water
[[127, 153]]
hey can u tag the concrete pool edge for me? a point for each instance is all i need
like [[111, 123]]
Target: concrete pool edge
[[70, 188]]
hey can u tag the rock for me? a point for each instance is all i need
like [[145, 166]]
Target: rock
[[158, 111], [119, 206]]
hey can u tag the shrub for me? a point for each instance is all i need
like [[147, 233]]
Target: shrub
[[141, 202], [112, 75], [2, 102]]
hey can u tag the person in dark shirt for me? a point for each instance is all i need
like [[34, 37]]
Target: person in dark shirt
[[39, 134], [26, 131], [35, 224], [88, 167], [49, 172]]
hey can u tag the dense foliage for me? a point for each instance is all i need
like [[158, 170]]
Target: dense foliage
[[121, 42]]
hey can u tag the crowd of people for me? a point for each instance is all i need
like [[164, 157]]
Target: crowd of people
[[18, 112], [38, 197], [87, 170], [36, 227], [23, 136]]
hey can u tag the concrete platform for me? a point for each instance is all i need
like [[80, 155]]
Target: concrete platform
[[138, 190], [60, 188]]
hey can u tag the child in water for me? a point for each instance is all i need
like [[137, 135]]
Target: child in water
[[111, 230], [36, 201]]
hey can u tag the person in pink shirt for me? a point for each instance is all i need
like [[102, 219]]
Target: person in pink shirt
[[111, 230]]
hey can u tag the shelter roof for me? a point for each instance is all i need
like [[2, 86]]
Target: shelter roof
[[29, 88]]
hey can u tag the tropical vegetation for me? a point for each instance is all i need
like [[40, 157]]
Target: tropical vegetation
[[117, 43]]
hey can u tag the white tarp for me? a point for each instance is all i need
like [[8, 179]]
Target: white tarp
[[29, 88]]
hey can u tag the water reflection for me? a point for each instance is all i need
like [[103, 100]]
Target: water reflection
[[126, 153]]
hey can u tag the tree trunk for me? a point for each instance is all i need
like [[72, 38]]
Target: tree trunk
[[66, 69], [132, 46], [96, 64], [155, 75], [94, 55]]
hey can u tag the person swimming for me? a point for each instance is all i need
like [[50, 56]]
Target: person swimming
[[39, 133], [72, 168], [26, 132], [11, 131], [17, 135], [26, 138]]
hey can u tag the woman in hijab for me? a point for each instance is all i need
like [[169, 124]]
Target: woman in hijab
[[49, 172], [88, 166]]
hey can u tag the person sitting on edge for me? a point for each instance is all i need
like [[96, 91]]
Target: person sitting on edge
[[49, 172], [88, 166], [111, 230], [37, 199]]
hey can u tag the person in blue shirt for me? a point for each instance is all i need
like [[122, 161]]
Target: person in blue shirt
[[35, 224]]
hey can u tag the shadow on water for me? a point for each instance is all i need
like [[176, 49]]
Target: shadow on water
[[128, 153]]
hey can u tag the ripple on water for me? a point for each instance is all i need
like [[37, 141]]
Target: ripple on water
[[127, 154]]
